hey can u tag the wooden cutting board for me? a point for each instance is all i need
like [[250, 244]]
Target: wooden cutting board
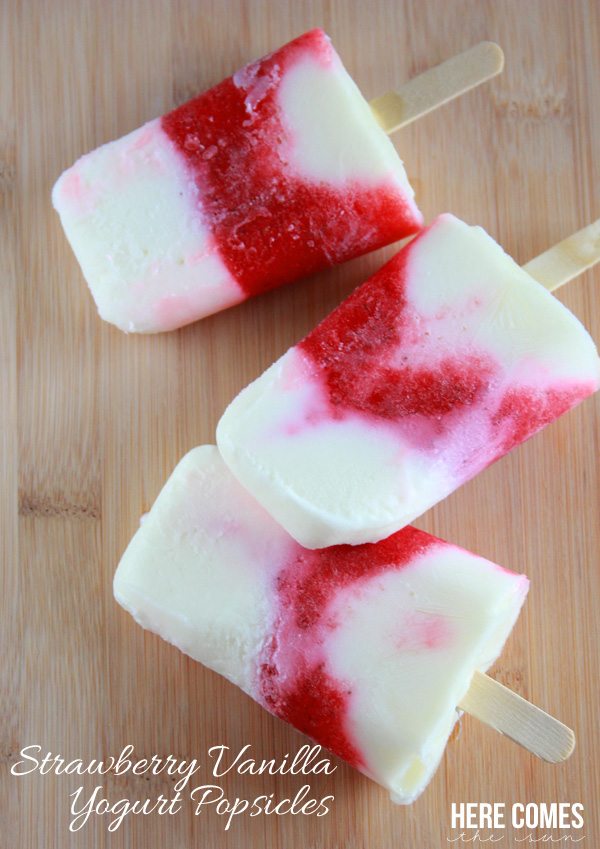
[[93, 421]]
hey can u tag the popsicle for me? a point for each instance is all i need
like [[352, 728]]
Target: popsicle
[[434, 368], [279, 171], [367, 649]]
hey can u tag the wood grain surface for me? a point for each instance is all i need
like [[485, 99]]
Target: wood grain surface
[[93, 421]]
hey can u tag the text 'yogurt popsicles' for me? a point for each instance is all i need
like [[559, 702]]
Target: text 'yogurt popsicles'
[[438, 365], [367, 649]]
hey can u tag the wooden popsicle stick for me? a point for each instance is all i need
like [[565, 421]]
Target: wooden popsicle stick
[[437, 86], [567, 259], [511, 715]]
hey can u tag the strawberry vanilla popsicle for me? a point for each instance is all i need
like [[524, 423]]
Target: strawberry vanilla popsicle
[[367, 649], [275, 173], [438, 365]]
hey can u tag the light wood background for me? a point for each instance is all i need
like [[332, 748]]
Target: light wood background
[[93, 421]]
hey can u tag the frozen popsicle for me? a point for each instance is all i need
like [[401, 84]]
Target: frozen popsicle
[[367, 649], [438, 365], [278, 171]]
